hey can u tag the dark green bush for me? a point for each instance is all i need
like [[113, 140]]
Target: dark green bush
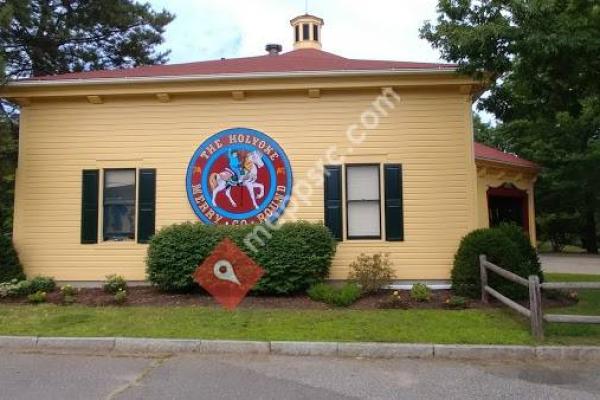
[[528, 252], [42, 284], [340, 297], [297, 255], [10, 267], [505, 246], [22, 288]]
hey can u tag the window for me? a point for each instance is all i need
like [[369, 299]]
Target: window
[[363, 205], [362, 200], [316, 33], [119, 204], [306, 31], [297, 33]]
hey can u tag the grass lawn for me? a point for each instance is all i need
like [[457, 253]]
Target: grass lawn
[[499, 326], [546, 247], [589, 304]]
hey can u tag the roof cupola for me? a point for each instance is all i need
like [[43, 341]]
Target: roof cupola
[[307, 32]]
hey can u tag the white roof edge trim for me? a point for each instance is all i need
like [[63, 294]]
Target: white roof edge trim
[[254, 75]]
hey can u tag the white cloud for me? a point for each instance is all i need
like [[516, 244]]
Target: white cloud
[[375, 29]]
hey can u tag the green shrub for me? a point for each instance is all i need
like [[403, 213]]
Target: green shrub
[[120, 296], [321, 292], [68, 290], [456, 302], [297, 255], [37, 297], [347, 295], [371, 272], [42, 284], [340, 297], [505, 246], [16, 288], [23, 288], [10, 267], [7, 289], [420, 292], [528, 252], [114, 283]]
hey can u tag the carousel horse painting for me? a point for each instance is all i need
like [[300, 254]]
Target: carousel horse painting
[[225, 180]]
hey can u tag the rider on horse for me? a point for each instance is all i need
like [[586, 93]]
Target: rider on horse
[[236, 166]]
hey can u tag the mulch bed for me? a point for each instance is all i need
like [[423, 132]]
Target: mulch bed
[[148, 296]]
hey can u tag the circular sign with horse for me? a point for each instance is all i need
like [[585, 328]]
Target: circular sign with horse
[[239, 176]]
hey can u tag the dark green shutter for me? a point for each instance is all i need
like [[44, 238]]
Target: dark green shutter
[[89, 206], [394, 214], [147, 205], [333, 200]]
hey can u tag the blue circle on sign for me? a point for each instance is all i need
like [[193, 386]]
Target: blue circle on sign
[[247, 160]]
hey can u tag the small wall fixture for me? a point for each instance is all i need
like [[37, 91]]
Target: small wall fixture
[[94, 99], [163, 97], [238, 95]]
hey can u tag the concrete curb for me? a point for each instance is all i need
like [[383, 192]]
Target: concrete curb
[[346, 349], [483, 352], [304, 348]]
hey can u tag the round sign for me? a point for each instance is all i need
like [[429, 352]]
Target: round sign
[[239, 176]]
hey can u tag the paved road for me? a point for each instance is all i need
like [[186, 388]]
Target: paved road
[[571, 263], [214, 377]]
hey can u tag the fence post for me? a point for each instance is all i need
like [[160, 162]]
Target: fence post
[[484, 277], [535, 306]]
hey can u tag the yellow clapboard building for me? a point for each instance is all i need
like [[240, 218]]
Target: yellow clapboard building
[[381, 151]]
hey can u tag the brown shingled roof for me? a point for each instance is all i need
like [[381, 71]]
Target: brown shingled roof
[[487, 153], [303, 60]]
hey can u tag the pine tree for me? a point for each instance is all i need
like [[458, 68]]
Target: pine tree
[[47, 37]]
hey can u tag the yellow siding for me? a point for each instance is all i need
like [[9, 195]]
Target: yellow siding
[[428, 132]]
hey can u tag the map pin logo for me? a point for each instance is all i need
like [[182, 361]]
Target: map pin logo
[[223, 270]]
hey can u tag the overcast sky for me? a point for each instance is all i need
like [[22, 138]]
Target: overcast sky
[[375, 29]]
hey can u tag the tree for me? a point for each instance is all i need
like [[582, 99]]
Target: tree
[[489, 135], [47, 37], [8, 149], [541, 60]]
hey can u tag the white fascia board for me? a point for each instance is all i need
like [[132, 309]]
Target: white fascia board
[[213, 77]]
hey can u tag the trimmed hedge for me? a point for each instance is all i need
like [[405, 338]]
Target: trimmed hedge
[[343, 296], [297, 256], [506, 246], [10, 267]]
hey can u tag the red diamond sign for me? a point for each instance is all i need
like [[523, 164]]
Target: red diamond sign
[[228, 274]]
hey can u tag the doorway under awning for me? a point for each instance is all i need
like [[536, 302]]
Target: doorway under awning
[[505, 189]]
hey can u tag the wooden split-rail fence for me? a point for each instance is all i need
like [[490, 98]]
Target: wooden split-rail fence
[[534, 312]]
